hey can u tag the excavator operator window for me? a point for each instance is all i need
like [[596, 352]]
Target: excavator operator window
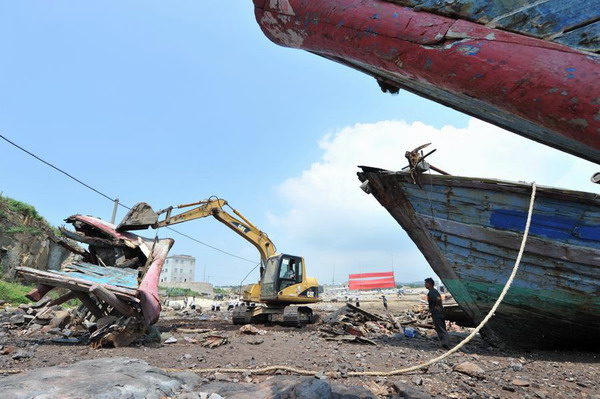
[[290, 272]]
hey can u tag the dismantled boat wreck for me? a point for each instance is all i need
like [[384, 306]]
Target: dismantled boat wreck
[[470, 229], [118, 275], [529, 67]]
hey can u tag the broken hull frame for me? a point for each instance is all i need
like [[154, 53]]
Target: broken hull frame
[[100, 284], [545, 91], [469, 231]]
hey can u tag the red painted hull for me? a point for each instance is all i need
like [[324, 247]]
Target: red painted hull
[[545, 91]]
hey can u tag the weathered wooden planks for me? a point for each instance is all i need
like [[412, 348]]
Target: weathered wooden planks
[[555, 298], [553, 20]]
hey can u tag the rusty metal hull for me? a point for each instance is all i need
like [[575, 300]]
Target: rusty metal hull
[[469, 230], [548, 91], [119, 273]]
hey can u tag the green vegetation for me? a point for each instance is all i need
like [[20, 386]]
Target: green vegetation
[[180, 292], [7, 203], [21, 207], [23, 229], [219, 290], [14, 293]]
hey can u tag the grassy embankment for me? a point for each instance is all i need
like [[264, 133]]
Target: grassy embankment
[[14, 293]]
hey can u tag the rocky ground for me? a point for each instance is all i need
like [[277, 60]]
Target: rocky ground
[[207, 340]]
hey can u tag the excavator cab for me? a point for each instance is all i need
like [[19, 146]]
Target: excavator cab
[[282, 279]]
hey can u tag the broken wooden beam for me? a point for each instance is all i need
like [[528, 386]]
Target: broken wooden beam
[[89, 304], [109, 297], [38, 292], [62, 299]]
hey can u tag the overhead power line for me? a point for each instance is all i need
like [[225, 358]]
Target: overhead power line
[[210, 246], [114, 199], [58, 169]]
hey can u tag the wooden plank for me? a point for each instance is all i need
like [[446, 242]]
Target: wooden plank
[[548, 18], [115, 276], [107, 296], [63, 298], [67, 281], [38, 293], [89, 304], [507, 239], [473, 10], [584, 38]]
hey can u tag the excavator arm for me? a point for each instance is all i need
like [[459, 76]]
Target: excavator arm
[[275, 291], [141, 216]]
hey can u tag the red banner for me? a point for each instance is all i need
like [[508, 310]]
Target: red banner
[[369, 281], [368, 275]]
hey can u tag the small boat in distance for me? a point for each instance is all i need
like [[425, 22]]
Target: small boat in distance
[[530, 67], [470, 230]]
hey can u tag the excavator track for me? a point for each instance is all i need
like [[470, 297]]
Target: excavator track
[[297, 316]]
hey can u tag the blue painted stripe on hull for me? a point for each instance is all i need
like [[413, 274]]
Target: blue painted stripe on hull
[[554, 227]]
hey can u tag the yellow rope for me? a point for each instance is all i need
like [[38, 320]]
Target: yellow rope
[[12, 371], [380, 373]]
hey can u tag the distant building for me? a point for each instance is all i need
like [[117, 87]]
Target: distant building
[[178, 269]]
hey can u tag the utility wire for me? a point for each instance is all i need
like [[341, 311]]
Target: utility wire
[[113, 200], [210, 246], [58, 169]]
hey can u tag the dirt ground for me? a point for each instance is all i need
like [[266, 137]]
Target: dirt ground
[[507, 373]]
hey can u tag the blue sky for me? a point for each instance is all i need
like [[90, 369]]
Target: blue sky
[[172, 102]]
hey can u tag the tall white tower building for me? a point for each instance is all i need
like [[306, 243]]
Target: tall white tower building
[[178, 268]]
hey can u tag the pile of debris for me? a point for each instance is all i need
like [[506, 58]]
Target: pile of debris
[[353, 324], [45, 316], [68, 325]]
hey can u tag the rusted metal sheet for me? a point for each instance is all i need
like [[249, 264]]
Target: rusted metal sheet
[[470, 230], [121, 271], [545, 91]]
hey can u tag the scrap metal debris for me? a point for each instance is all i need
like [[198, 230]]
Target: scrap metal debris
[[353, 324], [117, 276]]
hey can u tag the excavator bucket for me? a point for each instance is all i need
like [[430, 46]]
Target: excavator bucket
[[140, 217]]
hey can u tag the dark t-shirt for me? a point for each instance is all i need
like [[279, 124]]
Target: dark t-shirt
[[432, 299]]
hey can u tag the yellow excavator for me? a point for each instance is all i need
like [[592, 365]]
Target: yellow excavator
[[283, 281]]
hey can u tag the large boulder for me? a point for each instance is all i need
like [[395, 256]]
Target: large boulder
[[105, 378]]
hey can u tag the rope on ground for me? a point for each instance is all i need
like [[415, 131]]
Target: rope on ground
[[12, 371], [407, 369], [299, 371]]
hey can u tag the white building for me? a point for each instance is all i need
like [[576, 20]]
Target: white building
[[178, 268]]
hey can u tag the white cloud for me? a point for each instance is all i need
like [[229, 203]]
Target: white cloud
[[336, 225]]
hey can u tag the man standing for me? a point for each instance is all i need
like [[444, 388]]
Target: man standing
[[384, 302], [437, 312]]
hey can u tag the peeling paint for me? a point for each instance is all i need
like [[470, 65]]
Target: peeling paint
[[282, 6], [288, 37], [579, 122], [469, 49]]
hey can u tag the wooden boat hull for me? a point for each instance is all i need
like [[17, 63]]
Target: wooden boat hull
[[548, 91], [469, 230]]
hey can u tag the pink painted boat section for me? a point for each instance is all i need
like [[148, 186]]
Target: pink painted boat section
[[148, 289], [545, 91]]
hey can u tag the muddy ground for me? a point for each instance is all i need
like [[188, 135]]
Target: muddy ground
[[506, 373]]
